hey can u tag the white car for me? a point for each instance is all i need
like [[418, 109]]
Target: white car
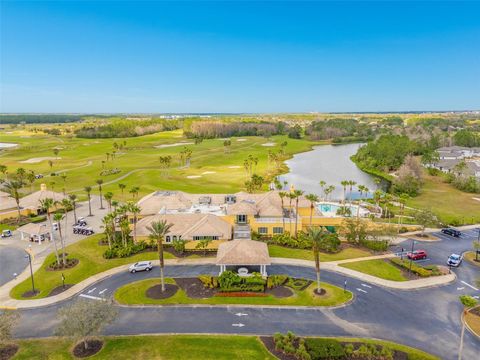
[[454, 260], [140, 266]]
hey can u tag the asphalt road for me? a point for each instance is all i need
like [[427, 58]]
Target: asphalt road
[[12, 260], [428, 319]]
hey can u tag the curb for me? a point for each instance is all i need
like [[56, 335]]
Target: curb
[[462, 319]]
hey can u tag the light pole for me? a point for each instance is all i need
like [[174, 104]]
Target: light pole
[[29, 255], [411, 256]]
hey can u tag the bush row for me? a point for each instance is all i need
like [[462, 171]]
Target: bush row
[[331, 243], [431, 270], [375, 245], [119, 251]]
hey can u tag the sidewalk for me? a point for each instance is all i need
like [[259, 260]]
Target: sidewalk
[[9, 303]]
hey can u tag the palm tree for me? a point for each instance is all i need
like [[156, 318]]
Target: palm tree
[[316, 235], [297, 194], [107, 222], [344, 183], [12, 188], [402, 200], [134, 191], [351, 183], [99, 183], [362, 189], [377, 182], [64, 178], [115, 204], [109, 196], [282, 195], [328, 190], [135, 210], [46, 204], [88, 190], [73, 201], [58, 217], [158, 230], [291, 196], [322, 185], [122, 188], [313, 199]]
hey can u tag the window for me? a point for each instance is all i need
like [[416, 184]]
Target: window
[[278, 230], [263, 230], [167, 238], [174, 237], [205, 238]]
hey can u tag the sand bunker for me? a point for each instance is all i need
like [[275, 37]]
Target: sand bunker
[[475, 198], [172, 145], [234, 167], [39, 159], [241, 139], [209, 172], [7, 145], [269, 144], [194, 176]]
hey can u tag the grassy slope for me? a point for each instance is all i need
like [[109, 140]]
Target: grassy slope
[[173, 347], [141, 154], [348, 253], [91, 262], [379, 268], [447, 202], [134, 293]]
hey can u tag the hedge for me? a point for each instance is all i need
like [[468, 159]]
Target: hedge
[[418, 270], [324, 348]]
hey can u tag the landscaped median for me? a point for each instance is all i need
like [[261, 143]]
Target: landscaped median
[[291, 292], [472, 319], [470, 257]]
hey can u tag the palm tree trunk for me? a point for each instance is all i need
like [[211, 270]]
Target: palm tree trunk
[[64, 239], [283, 216], [101, 201], [311, 213], [52, 238], [135, 229], [74, 211], [160, 258], [89, 207], [64, 262], [296, 218], [317, 268], [18, 209]]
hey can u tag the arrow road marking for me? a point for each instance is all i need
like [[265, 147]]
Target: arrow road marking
[[238, 325], [101, 292], [91, 297], [367, 286], [92, 290], [460, 288], [361, 290], [476, 297], [241, 314], [470, 286]]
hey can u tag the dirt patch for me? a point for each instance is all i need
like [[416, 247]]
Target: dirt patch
[[8, 351], [155, 292], [320, 293], [59, 289], [280, 292], [194, 288], [56, 267], [94, 346], [30, 293]]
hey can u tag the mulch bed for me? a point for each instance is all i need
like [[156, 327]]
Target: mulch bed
[[94, 346], [155, 292], [321, 293], [194, 288], [30, 293], [270, 345], [475, 311], [397, 355], [8, 351], [59, 289], [280, 292], [55, 267]]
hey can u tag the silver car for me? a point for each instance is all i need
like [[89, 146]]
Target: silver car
[[454, 260], [140, 266]]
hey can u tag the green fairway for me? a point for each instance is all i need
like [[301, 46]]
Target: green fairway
[[135, 294], [82, 160], [348, 253], [379, 268], [91, 262]]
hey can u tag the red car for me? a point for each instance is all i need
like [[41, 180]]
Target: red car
[[417, 255]]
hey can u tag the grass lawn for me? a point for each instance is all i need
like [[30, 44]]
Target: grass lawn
[[134, 294], [166, 347], [379, 268], [6, 227], [348, 253], [448, 203], [91, 262], [474, 322], [470, 256]]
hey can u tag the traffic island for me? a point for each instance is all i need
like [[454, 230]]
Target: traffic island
[[472, 320], [155, 292]]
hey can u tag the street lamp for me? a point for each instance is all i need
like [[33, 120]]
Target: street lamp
[[29, 256], [411, 256]]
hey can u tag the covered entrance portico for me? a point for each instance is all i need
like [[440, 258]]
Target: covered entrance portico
[[243, 256]]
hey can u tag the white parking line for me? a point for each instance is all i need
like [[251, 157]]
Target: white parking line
[[470, 286], [460, 288], [91, 297], [361, 290]]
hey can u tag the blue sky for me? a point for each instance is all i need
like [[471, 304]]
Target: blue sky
[[239, 57]]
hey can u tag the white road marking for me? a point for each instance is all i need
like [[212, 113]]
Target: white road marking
[[470, 286], [91, 297], [460, 288], [238, 325], [92, 290], [367, 286], [476, 297], [241, 314], [361, 290], [101, 292]]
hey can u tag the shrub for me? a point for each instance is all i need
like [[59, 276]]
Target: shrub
[[119, 251], [386, 353], [240, 294], [416, 269], [349, 349], [228, 279], [209, 281], [375, 245], [179, 245], [276, 280], [324, 349]]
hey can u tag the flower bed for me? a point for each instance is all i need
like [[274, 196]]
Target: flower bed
[[241, 294]]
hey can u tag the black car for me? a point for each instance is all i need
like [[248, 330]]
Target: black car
[[452, 232]]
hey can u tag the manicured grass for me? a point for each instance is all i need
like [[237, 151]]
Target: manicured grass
[[166, 347], [91, 262], [6, 227], [348, 253], [473, 321], [134, 294], [448, 203], [83, 160], [470, 256], [379, 268]]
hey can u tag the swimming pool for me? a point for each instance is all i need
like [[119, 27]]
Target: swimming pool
[[330, 209]]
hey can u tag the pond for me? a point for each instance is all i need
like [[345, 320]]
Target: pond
[[330, 163]]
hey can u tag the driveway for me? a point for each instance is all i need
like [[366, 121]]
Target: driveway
[[12, 260]]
